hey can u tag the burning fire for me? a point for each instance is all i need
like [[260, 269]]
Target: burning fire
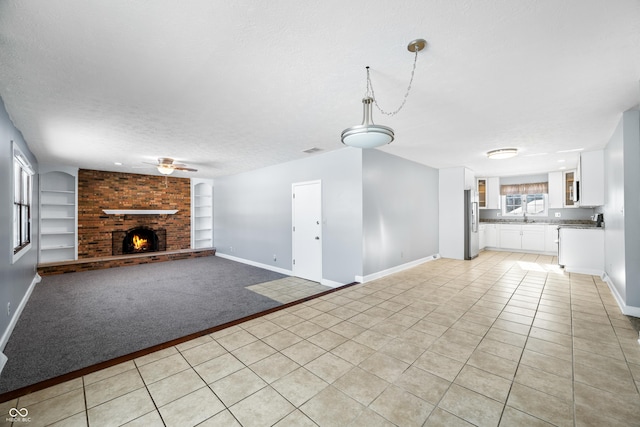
[[139, 243]]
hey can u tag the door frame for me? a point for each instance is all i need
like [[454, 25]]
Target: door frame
[[293, 216]]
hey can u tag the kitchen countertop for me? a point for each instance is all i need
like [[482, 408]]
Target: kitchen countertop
[[566, 223], [580, 226]]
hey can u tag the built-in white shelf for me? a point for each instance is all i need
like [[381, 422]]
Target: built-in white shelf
[[140, 211], [52, 248], [45, 190], [58, 215], [201, 213]]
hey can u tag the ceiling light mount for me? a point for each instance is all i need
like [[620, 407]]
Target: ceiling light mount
[[368, 134], [502, 153], [416, 45]]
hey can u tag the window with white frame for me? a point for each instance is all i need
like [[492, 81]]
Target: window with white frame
[[519, 204], [525, 199], [22, 197]]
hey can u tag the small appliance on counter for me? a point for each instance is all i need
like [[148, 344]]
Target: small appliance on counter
[[599, 219]]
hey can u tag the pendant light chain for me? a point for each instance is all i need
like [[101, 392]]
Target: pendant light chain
[[373, 95]]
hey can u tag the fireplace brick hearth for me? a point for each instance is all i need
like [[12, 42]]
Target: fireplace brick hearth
[[98, 190]]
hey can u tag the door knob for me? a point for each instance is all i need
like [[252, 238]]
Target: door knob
[[317, 238]]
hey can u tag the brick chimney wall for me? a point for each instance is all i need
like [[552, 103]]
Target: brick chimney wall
[[98, 190]]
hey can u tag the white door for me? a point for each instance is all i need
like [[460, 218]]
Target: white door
[[307, 230]]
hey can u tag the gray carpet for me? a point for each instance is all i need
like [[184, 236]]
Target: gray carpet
[[77, 320]]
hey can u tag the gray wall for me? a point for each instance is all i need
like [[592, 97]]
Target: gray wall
[[252, 213], [15, 279], [622, 209], [631, 120], [400, 209]]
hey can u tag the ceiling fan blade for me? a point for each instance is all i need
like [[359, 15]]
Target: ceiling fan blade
[[186, 169]]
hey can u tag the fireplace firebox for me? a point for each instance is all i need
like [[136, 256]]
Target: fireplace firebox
[[138, 240]]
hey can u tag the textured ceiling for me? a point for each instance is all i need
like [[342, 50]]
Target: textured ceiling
[[229, 86]]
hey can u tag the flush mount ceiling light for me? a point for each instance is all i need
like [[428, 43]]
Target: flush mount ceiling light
[[368, 134], [503, 153]]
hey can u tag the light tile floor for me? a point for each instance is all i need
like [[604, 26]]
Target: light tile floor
[[506, 339], [288, 289]]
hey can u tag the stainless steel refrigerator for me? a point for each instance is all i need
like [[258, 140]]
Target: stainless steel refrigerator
[[471, 239]]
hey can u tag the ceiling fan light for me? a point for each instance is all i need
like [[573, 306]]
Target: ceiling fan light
[[165, 170], [502, 153]]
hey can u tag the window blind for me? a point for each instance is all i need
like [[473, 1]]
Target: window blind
[[533, 188]]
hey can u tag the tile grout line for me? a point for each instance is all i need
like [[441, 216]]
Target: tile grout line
[[626, 359], [513, 380], [86, 404]]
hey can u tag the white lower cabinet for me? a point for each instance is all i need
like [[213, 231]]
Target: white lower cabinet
[[482, 241], [551, 238], [491, 235], [533, 238], [522, 237], [582, 250], [510, 236]]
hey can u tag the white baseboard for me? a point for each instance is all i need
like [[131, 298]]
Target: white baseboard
[[3, 361], [521, 251], [14, 319], [396, 269], [255, 264], [626, 309], [331, 283], [589, 271], [325, 282]]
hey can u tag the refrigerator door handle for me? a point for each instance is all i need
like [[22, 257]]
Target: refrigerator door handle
[[474, 217]]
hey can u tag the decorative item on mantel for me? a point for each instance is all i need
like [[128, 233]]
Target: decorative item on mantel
[[368, 134], [140, 211]]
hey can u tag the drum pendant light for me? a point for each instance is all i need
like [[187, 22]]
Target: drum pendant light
[[368, 134]]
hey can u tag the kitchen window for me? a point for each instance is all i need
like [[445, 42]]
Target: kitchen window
[[525, 199], [519, 204], [22, 197]]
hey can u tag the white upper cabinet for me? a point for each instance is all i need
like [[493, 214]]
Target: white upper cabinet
[[570, 189], [556, 190], [493, 193], [489, 193], [592, 178], [482, 193], [469, 179]]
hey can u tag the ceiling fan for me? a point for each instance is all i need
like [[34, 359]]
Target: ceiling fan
[[166, 166]]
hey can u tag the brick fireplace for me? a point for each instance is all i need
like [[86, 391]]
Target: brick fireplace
[[99, 191]]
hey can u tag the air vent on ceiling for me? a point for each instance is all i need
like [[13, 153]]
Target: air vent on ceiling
[[312, 150]]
